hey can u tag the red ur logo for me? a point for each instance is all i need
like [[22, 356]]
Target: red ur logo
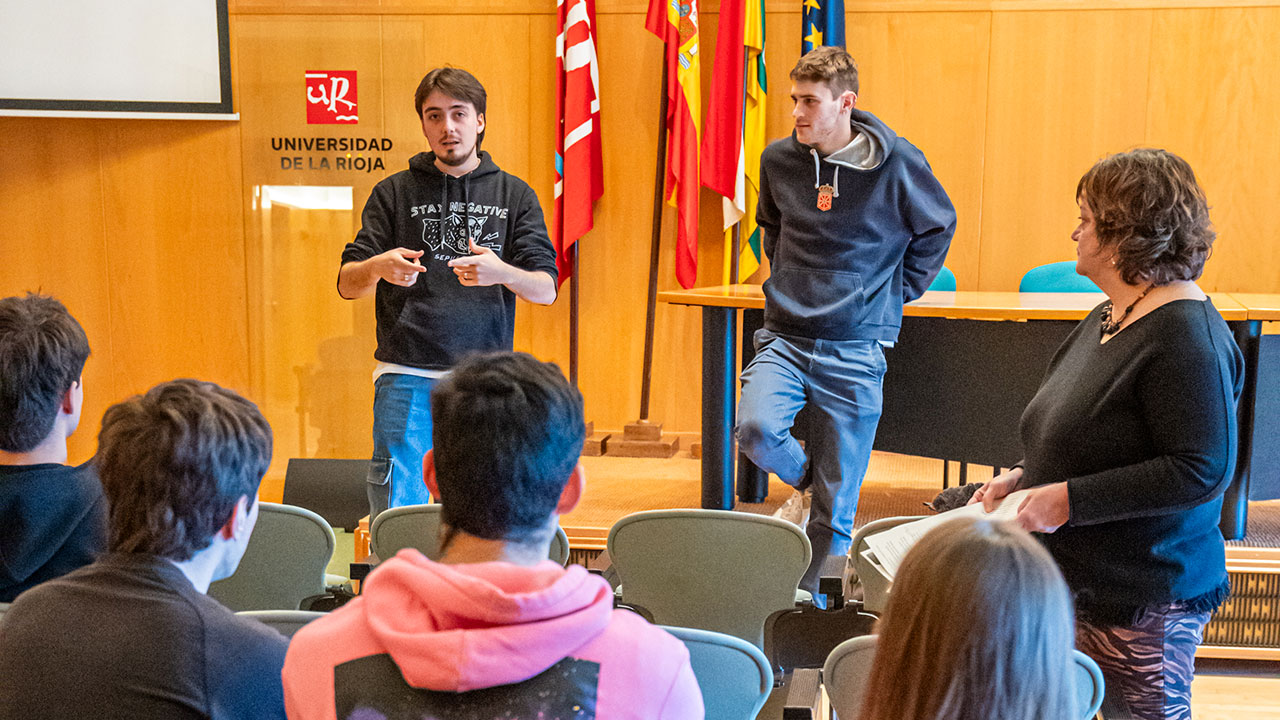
[[331, 97]]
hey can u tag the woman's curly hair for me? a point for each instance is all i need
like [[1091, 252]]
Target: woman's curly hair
[[1150, 210]]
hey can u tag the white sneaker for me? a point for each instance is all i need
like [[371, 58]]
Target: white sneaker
[[796, 509]]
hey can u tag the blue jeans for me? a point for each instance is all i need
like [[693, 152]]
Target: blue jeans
[[401, 436], [838, 385]]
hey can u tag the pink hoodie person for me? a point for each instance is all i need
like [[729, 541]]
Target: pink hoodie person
[[432, 640]]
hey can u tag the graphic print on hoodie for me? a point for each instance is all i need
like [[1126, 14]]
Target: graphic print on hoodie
[[371, 688], [437, 321]]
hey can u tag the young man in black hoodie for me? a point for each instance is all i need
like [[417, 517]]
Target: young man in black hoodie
[[844, 257], [448, 245], [53, 518]]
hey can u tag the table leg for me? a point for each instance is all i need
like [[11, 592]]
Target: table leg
[[753, 483], [719, 385], [1235, 502]]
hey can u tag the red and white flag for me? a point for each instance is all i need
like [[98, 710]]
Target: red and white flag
[[579, 169]]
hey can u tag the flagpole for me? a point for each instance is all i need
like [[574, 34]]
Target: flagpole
[[574, 290], [655, 242]]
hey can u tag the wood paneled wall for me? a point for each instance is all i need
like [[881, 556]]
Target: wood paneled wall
[[156, 236]]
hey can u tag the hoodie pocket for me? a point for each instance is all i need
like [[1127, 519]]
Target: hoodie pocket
[[813, 299], [379, 471]]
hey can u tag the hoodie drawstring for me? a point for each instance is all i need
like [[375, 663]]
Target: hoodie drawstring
[[817, 175]]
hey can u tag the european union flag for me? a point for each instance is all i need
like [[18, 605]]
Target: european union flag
[[821, 23]]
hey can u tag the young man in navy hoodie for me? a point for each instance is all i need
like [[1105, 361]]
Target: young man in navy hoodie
[[448, 245], [855, 224], [53, 518]]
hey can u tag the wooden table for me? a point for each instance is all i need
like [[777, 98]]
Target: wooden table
[[957, 382]]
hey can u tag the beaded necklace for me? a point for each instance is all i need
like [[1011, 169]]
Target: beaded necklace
[[1109, 326]]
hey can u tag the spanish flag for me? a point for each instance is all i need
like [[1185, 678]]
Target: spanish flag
[[821, 23], [736, 127], [676, 24]]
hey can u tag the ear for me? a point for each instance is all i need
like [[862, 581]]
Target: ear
[[71, 399], [572, 493], [848, 101], [429, 474], [239, 518], [479, 123]]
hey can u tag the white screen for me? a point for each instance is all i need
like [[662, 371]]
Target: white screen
[[90, 52]]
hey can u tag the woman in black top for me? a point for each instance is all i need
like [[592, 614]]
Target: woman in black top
[[1131, 440]]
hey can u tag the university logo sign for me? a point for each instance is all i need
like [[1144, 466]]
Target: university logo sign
[[331, 97]]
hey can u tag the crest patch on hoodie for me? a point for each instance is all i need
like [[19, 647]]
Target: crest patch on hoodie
[[373, 688]]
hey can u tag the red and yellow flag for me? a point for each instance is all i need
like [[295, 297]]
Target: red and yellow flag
[[579, 168], [675, 22]]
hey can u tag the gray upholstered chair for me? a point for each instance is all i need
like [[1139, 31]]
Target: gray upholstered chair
[[875, 581], [849, 666], [418, 526], [733, 674], [287, 622], [710, 569], [284, 563]]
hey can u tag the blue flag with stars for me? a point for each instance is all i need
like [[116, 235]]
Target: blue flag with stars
[[821, 23]]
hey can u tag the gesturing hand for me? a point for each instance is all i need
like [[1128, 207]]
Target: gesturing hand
[[480, 269], [399, 266]]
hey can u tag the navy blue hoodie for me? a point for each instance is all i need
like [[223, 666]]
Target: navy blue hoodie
[[844, 273], [437, 321]]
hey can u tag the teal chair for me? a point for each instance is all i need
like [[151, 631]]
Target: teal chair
[[734, 676], [849, 666], [1056, 277], [418, 526], [945, 281]]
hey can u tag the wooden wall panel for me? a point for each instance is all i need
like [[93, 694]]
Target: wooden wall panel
[[925, 75], [1066, 88], [1214, 101], [53, 241]]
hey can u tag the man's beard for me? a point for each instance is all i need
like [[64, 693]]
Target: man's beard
[[458, 159]]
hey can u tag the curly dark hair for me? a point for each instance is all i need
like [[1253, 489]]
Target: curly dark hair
[[42, 354], [1149, 209], [175, 461]]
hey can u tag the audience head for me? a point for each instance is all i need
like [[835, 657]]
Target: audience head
[[508, 433], [979, 625], [180, 466], [42, 354], [1150, 211], [830, 65]]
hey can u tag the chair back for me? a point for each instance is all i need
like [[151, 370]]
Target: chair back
[[334, 489], [286, 622], [945, 281], [710, 569], [3, 608], [876, 583], [849, 667], [733, 674], [1057, 277], [284, 562], [418, 526]]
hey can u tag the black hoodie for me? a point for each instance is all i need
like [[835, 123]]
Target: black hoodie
[[54, 521], [437, 321]]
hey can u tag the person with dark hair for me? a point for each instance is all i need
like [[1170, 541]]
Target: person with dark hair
[[53, 518], [1131, 440], [133, 634], [446, 247], [978, 626], [494, 629], [855, 224]]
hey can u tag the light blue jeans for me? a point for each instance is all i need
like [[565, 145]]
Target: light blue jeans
[[839, 385], [401, 436]]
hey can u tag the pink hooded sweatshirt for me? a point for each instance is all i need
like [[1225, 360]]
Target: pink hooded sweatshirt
[[459, 628]]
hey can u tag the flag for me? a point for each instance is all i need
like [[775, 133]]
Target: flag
[[735, 135], [675, 22], [821, 23], [579, 169]]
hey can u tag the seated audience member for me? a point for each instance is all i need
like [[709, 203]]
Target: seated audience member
[[133, 635], [494, 629], [53, 518], [978, 626]]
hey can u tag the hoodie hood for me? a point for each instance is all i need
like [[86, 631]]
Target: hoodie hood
[[460, 628], [54, 522]]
